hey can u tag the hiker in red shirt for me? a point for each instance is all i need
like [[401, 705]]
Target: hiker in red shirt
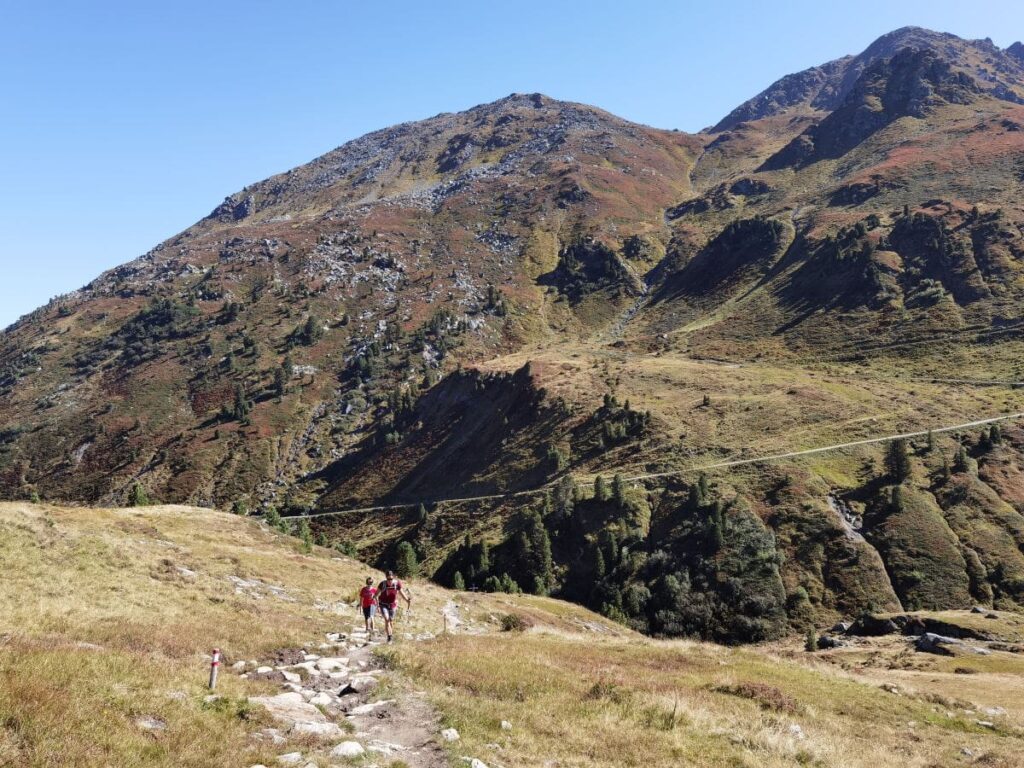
[[368, 601], [387, 598]]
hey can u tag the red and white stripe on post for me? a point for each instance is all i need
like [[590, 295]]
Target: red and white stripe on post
[[214, 667]]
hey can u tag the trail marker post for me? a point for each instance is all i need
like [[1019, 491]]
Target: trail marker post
[[214, 667]]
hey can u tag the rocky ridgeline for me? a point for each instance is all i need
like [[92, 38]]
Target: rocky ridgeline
[[333, 708]]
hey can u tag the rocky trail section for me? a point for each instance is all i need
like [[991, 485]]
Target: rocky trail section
[[339, 705]]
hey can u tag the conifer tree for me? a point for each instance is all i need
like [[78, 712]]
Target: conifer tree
[[599, 566], [619, 490], [458, 582], [897, 461], [483, 563], [896, 499], [406, 563], [306, 534], [280, 385], [716, 522], [600, 489], [138, 497], [961, 463], [702, 485]]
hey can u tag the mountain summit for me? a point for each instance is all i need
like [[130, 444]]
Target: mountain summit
[[824, 88]]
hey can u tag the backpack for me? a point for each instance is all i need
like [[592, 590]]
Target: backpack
[[388, 594]]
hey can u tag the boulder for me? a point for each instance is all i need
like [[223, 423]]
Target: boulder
[[827, 641], [289, 708], [360, 684], [840, 627], [450, 734], [873, 626], [319, 730], [348, 749], [929, 642], [331, 665], [321, 699]]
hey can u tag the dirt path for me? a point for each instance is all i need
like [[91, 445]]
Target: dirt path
[[338, 703], [403, 729]]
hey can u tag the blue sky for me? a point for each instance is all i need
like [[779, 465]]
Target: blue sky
[[123, 123]]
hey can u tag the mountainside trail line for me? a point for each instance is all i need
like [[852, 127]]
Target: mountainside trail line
[[675, 472]]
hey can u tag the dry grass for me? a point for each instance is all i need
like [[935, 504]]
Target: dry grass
[[106, 616], [623, 702], [102, 631]]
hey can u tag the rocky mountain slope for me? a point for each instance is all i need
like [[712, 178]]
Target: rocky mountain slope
[[532, 294]]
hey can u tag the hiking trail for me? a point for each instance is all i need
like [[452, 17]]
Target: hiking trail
[[338, 702]]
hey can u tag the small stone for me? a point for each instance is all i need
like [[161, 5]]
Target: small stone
[[450, 734], [238, 666], [366, 709], [151, 723], [985, 723], [274, 736], [264, 670], [506, 725], [796, 731], [348, 749], [291, 677]]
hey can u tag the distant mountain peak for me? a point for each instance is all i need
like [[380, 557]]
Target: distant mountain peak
[[825, 87]]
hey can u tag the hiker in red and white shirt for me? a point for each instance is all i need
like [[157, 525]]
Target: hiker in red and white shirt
[[387, 598], [368, 602]]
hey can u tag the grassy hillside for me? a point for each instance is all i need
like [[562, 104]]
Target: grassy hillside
[[107, 615]]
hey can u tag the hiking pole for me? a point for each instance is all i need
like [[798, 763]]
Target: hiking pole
[[214, 666]]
